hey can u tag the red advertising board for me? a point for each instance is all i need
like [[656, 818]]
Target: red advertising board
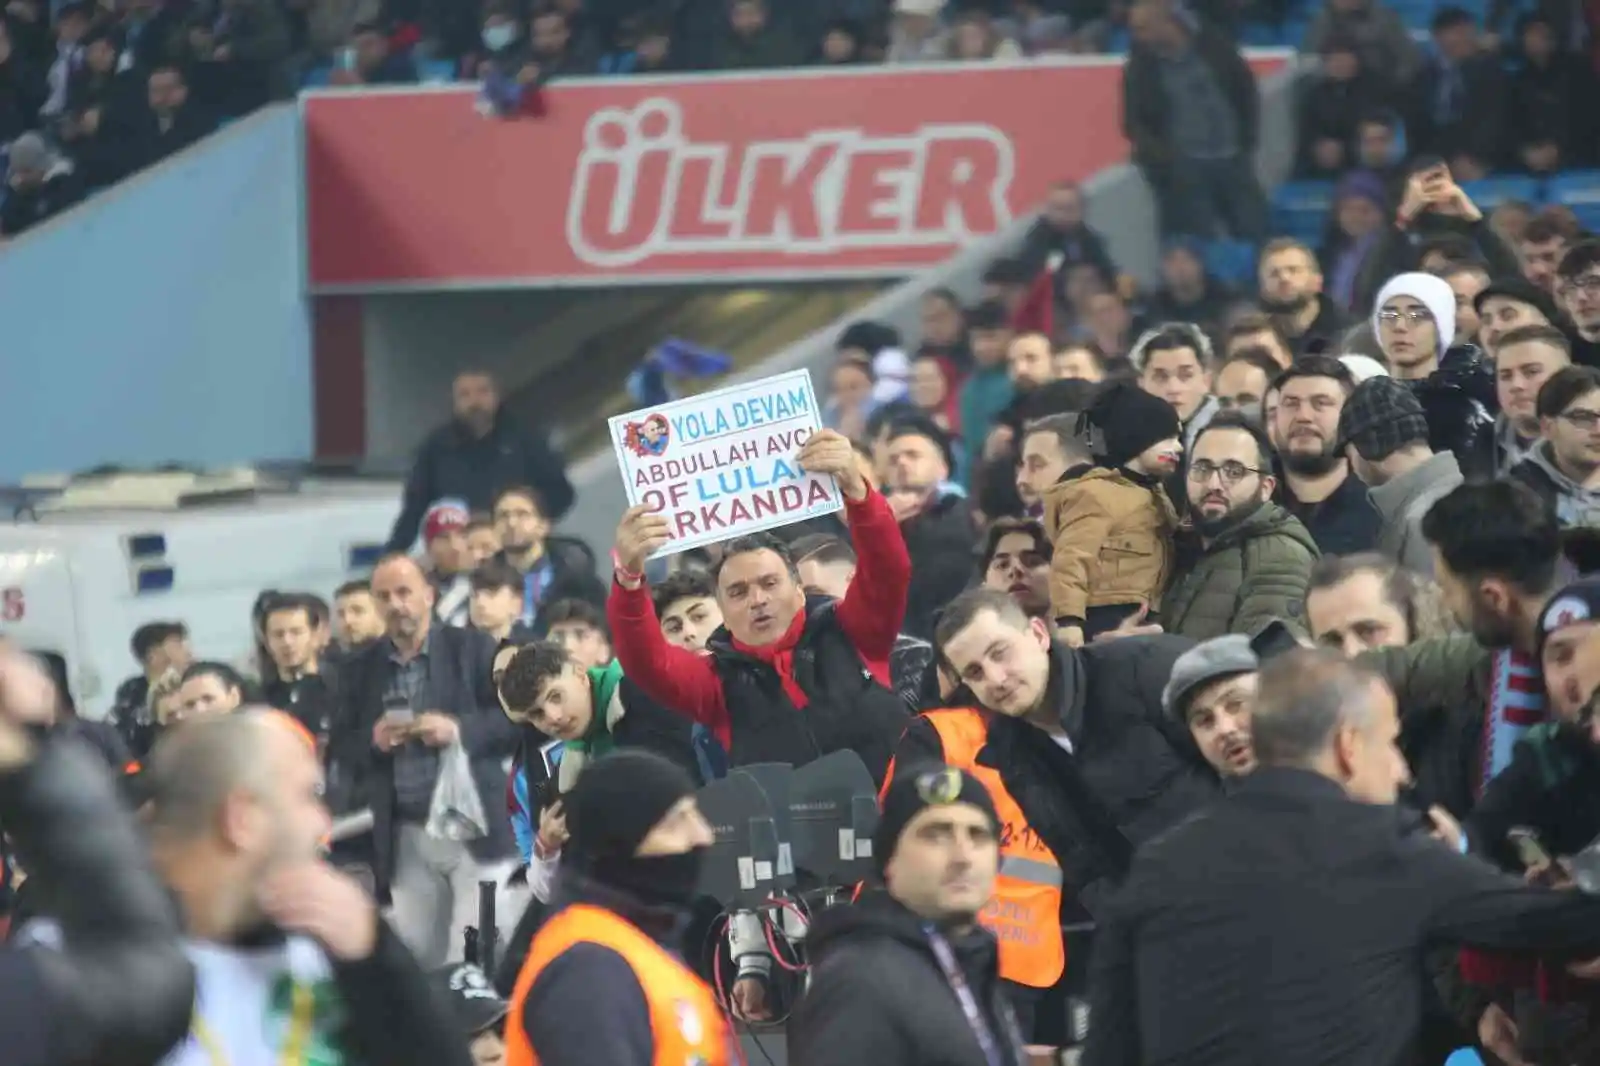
[[792, 176]]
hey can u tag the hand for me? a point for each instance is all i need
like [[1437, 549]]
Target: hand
[[1133, 626], [553, 827], [388, 733], [829, 453], [1498, 1034], [998, 442], [639, 535], [1419, 193], [222, 53], [1446, 830], [320, 902], [904, 504], [437, 729], [1551, 875], [1451, 201], [1071, 636], [750, 999]]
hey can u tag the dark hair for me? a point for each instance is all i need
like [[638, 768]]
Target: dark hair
[[756, 542], [317, 607], [1474, 265], [1096, 356], [1001, 528], [990, 314], [855, 362], [1541, 229], [1236, 420], [1448, 18], [885, 416], [1578, 258], [1537, 334], [1379, 116], [227, 675], [1254, 322], [1257, 356], [573, 611], [291, 601], [350, 588], [1452, 246], [496, 574], [1496, 529], [1064, 428], [682, 585], [960, 613], [1318, 366], [530, 670], [527, 492], [1408, 592], [822, 548], [1561, 389], [1170, 338], [479, 520], [922, 426], [150, 636]]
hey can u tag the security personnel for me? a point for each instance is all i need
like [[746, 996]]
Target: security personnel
[[603, 981]]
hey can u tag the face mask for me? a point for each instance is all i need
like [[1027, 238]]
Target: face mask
[[498, 37], [660, 880]]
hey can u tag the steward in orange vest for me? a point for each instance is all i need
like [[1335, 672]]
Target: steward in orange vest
[[603, 981]]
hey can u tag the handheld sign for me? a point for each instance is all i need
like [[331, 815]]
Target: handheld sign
[[722, 464]]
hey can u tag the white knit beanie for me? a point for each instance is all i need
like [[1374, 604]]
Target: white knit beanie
[[1433, 293], [1363, 367]]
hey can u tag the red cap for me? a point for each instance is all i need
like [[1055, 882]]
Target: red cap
[[443, 518]]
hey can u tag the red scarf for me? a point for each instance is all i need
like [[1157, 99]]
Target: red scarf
[[780, 656]]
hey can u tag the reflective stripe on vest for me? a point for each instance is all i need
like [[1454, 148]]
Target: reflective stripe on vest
[[685, 1021], [1025, 912]]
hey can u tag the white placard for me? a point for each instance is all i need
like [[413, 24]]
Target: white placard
[[722, 464]]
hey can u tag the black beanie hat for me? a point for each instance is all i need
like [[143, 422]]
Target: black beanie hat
[[1124, 420], [914, 789], [618, 799]]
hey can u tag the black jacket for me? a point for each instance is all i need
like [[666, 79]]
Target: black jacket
[[572, 577], [1400, 250], [1460, 404], [877, 994], [120, 991], [1552, 786], [587, 1007], [1343, 524], [1132, 774], [1479, 130], [1289, 922], [846, 706], [313, 700], [460, 662], [452, 464], [940, 540], [1146, 119], [1325, 332]]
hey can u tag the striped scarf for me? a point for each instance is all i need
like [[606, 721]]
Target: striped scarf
[[1516, 705]]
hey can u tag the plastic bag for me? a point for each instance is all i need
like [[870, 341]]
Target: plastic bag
[[456, 812]]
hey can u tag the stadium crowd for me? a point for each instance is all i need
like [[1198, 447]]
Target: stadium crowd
[[1226, 654]]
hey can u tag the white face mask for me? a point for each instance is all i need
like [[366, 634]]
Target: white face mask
[[499, 36]]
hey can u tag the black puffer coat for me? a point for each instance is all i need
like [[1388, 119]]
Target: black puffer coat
[[1460, 404]]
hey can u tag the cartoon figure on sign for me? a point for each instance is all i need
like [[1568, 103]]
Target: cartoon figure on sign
[[648, 437]]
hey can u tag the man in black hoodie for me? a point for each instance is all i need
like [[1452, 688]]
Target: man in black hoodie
[[906, 975]]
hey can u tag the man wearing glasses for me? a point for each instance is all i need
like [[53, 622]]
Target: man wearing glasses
[[1384, 434], [1578, 290], [1564, 467], [1253, 558]]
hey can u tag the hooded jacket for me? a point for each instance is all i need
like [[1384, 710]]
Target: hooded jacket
[[1459, 402], [1254, 571], [1575, 505], [877, 994], [1113, 541], [1404, 501]]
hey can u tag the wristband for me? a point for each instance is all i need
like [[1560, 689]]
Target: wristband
[[623, 570]]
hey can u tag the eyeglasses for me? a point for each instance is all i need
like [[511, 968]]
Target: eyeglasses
[[1584, 420], [1232, 471], [1589, 283], [1415, 316]]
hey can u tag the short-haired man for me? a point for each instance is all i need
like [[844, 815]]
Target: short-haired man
[[552, 568], [1049, 448], [1021, 720], [1181, 947], [1172, 362], [1541, 247], [763, 702], [1317, 486], [579, 627], [1256, 330], [1578, 292], [1253, 556], [157, 647], [875, 967], [1526, 359], [497, 594], [355, 615], [1015, 559], [935, 519], [1564, 466], [295, 682], [1240, 384], [1290, 284], [1385, 436], [482, 542], [827, 565], [1509, 303], [1212, 691]]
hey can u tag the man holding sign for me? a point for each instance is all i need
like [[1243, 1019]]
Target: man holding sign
[[789, 678]]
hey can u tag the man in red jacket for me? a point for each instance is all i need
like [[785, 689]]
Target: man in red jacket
[[789, 678]]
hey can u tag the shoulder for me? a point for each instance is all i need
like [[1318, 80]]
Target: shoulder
[[1133, 655]]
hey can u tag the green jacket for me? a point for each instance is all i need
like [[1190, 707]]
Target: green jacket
[[1253, 573], [1436, 676]]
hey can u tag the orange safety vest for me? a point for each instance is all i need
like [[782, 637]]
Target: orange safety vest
[[1025, 911], [685, 1021]]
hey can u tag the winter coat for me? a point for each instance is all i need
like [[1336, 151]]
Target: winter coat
[[1459, 402], [940, 540], [1113, 541], [1253, 572], [1403, 503]]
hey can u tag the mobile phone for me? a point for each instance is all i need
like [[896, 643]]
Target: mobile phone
[[1273, 639], [1529, 850], [398, 710]]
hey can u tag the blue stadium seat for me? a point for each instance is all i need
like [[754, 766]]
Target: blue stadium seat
[[1117, 43], [316, 77], [1261, 35], [1464, 1057], [1300, 209], [1579, 190], [1490, 193], [1231, 261], [436, 71]]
